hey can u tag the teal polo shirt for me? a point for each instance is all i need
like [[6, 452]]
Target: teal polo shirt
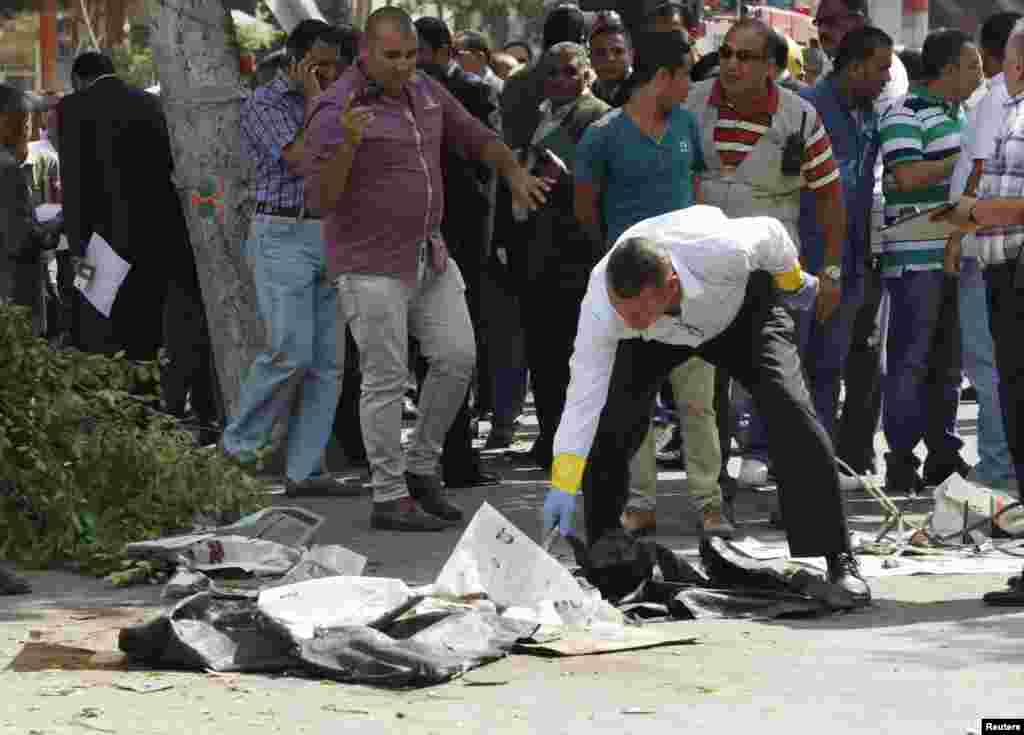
[[639, 176]]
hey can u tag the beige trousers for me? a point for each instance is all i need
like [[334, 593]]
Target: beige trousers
[[693, 386]]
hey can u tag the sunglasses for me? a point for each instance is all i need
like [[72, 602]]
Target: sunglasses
[[743, 56]]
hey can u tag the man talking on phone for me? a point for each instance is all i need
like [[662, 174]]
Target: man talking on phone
[[286, 252], [374, 160]]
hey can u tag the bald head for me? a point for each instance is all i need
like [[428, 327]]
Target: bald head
[[389, 19]]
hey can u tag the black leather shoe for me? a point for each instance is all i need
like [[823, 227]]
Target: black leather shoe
[[428, 492], [935, 473], [844, 572], [1012, 596], [901, 476], [12, 584], [405, 515]]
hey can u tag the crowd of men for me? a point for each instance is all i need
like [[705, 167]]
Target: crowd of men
[[622, 226]]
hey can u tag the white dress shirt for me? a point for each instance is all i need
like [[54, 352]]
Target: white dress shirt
[[714, 257], [978, 140]]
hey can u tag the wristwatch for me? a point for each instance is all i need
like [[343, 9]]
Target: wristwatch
[[832, 272]]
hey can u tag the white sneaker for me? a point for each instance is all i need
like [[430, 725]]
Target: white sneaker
[[753, 473]]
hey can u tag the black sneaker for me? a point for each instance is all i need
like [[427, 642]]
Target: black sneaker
[[844, 572], [901, 476], [428, 492]]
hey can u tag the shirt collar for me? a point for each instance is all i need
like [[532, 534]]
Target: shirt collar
[[767, 104]]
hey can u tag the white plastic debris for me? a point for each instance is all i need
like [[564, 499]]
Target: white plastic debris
[[331, 602]]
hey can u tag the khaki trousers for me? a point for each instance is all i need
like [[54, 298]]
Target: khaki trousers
[[693, 386]]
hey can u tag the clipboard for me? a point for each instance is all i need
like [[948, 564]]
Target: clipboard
[[919, 226]]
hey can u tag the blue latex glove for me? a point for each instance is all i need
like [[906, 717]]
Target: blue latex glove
[[560, 512], [803, 298]]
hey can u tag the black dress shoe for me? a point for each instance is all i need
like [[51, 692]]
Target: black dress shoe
[[937, 473], [405, 515], [1012, 596], [12, 584], [844, 572], [428, 492]]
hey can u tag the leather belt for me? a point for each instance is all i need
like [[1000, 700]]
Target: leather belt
[[293, 212]]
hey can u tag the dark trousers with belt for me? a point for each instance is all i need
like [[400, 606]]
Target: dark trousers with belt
[[551, 316], [758, 349], [1006, 314]]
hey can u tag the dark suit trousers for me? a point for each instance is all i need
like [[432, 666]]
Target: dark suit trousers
[[862, 373], [758, 349], [190, 370], [551, 315]]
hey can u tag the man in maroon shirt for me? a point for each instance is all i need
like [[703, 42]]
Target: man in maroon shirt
[[374, 143]]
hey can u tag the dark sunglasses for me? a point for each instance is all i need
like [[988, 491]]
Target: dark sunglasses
[[743, 56]]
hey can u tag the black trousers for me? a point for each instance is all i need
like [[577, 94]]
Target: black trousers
[[1006, 314], [758, 349], [190, 370], [862, 374], [347, 427], [550, 317]]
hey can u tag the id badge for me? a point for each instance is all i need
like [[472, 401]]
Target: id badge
[[422, 260], [84, 273]]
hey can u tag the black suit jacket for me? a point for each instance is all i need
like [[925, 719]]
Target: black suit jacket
[[116, 167], [469, 186]]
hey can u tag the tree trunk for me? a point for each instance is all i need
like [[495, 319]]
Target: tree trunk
[[197, 65]]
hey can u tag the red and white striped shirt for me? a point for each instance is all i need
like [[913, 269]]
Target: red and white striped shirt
[[735, 137]]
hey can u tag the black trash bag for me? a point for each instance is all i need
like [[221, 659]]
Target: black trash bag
[[729, 568], [209, 631], [617, 564], [446, 647], [750, 603]]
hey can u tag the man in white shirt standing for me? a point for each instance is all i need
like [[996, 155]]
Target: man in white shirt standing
[[984, 123], [685, 284]]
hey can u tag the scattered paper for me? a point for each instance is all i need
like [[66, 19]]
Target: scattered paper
[[495, 558], [583, 643], [144, 687], [111, 270]]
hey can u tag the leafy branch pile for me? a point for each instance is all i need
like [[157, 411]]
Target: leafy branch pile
[[86, 466]]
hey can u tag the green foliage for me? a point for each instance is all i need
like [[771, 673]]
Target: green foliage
[[134, 64], [85, 466], [255, 38]]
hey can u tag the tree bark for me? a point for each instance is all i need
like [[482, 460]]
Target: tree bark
[[197, 65]]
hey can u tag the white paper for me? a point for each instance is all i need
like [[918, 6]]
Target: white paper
[[111, 270], [331, 602], [47, 212], [496, 558]]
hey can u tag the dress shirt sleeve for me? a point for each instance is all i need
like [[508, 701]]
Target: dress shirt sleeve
[[468, 133], [269, 127], [323, 136], [591, 366], [988, 118], [770, 248]]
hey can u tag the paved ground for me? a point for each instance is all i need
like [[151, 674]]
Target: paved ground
[[927, 655]]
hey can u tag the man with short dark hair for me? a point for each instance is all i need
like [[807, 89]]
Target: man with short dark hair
[[685, 284], [845, 101], [116, 175], [469, 190], [638, 162], [376, 134], [612, 56], [920, 146], [298, 375], [473, 53]]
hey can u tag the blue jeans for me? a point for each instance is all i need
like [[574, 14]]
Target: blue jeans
[[299, 307], [823, 350], [922, 381], [995, 467]]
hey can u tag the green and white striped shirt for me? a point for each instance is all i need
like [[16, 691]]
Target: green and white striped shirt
[[922, 127]]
